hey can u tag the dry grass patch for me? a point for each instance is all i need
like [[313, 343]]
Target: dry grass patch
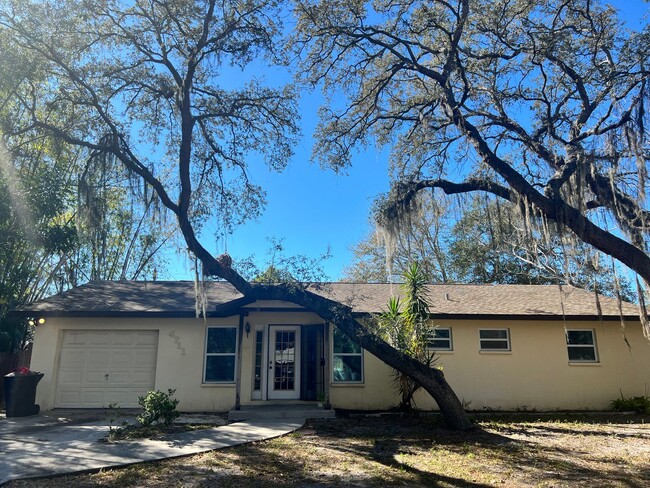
[[158, 431], [379, 451]]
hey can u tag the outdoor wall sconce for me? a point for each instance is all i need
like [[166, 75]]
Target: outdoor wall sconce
[[248, 329], [34, 322]]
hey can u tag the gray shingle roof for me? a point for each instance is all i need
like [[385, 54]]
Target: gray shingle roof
[[177, 298], [494, 300]]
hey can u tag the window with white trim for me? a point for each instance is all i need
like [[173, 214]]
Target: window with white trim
[[581, 345], [494, 339], [440, 339], [220, 354], [347, 359]]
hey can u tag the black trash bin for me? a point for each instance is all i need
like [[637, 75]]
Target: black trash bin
[[20, 394]]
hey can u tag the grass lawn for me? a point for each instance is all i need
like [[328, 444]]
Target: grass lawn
[[518, 450]]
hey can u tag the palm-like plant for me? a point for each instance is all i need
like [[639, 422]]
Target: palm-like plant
[[408, 329]]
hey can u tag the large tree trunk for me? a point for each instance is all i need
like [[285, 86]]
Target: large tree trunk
[[431, 379]]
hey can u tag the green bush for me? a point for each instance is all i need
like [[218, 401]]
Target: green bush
[[639, 404], [158, 407]]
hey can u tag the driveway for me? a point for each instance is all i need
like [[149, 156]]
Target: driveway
[[62, 442]]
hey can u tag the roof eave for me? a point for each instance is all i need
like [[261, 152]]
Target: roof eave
[[102, 313], [485, 316], [231, 309]]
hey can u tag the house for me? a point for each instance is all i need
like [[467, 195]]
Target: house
[[500, 346]]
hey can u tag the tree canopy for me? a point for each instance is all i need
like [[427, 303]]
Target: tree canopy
[[481, 241], [140, 82], [542, 104], [35, 232], [64, 221], [68, 213]]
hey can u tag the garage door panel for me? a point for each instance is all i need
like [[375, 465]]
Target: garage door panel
[[98, 358], [125, 358], [119, 378], [98, 368], [92, 398], [67, 398], [145, 357], [79, 338], [124, 339], [119, 397], [72, 358], [142, 378], [70, 378], [146, 340], [102, 338], [93, 379], [77, 358]]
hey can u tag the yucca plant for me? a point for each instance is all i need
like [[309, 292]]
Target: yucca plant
[[408, 328]]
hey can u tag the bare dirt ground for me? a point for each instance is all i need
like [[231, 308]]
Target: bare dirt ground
[[507, 451]]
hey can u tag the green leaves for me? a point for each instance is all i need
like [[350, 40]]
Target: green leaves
[[175, 87], [406, 325], [539, 103], [159, 407]]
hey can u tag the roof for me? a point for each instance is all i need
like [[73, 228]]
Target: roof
[[177, 299]]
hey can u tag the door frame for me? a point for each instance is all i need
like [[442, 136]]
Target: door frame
[[271, 393]]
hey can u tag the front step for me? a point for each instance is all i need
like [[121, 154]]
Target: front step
[[280, 411]]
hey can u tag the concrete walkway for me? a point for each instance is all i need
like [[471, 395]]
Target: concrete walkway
[[266, 411], [47, 445]]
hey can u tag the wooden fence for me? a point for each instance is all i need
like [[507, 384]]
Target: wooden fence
[[10, 361]]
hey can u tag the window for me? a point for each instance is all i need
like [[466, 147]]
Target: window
[[347, 359], [440, 339], [581, 345], [259, 339], [220, 355], [494, 339]]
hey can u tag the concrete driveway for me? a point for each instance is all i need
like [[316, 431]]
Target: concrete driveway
[[61, 442]]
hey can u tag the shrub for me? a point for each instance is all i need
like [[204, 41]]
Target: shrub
[[639, 404], [158, 407]]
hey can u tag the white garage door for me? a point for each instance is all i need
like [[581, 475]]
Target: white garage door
[[101, 367]]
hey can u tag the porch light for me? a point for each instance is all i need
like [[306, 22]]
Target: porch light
[[248, 328], [34, 322]]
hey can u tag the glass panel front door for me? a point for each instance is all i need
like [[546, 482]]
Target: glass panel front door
[[284, 362]]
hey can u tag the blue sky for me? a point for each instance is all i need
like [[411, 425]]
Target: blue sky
[[312, 209]]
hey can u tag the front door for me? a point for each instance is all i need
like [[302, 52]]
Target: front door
[[284, 362]]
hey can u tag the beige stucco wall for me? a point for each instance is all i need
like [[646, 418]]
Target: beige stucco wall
[[536, 374], [180, 363]]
